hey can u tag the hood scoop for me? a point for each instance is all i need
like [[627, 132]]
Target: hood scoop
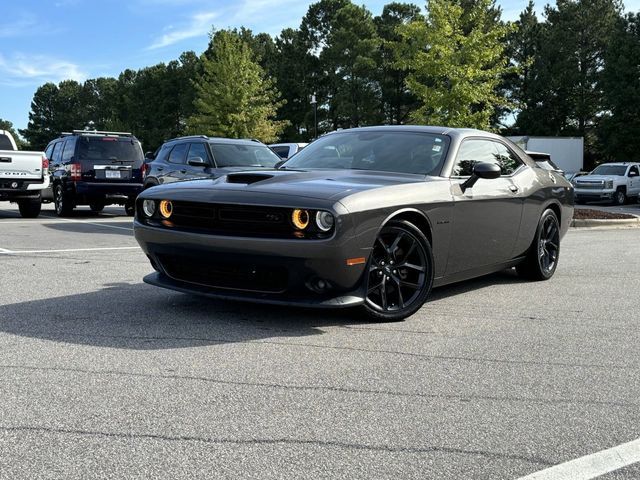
[[247, 178]]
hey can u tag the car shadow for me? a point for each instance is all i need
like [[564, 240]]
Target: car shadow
[[117, 228], [142, 317]]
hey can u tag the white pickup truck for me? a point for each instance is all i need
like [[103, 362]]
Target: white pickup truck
[[23, 176], [614, 182]]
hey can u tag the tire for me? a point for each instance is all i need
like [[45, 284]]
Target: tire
[[620, 197], [399, 275], [543, 254], [63, 201], [130, 207], [96, 207], [30, 208]]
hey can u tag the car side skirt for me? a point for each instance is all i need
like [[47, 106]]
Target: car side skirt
[[476, 272]]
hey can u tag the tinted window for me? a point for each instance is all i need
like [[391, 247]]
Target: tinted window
[[282, 152], [179, 153], [616, 170], [198, 150], [57, 152], [401, 152], [484, 151], [109, 148], [472, 152], [240, 155], [5, 143], [163, 154], [507, 160], [69, 147]]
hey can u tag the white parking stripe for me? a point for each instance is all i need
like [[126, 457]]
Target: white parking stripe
[[97, 249], [95, 223], [592, 466]]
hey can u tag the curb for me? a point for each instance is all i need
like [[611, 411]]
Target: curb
[[614, 223]]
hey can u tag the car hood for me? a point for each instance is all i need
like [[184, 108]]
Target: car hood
[[318, 184]]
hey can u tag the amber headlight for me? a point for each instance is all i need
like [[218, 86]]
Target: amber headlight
[[166, 208], [300, 219], [149, 207], [324, 221]]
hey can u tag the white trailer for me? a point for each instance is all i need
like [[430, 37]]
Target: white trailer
[[566, 152]]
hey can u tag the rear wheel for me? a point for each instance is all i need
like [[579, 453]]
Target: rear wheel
[[63, 202], [30, 208], [130, 207], [400, 272], [542, 258], [96, 207]]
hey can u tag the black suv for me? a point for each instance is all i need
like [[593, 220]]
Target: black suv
[[206, 157], [96, 169]]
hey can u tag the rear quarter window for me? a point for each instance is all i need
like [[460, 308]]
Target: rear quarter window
[[5, 143]]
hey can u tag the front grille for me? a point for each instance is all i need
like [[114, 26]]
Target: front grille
[[590, 185], [233, 219], [225, 275]]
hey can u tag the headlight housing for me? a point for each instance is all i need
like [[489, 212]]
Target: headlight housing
[[300, 218], [166, 208], [149, 207], [324, 221], [608, 184]]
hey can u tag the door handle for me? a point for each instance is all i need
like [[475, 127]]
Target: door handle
[[513, 188], [183, 171], [160, 169]]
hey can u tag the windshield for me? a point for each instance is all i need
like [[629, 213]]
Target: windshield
[[109, 148], [239, 155], [617, 170], [401, 152]]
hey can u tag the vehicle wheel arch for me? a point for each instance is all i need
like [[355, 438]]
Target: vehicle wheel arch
[[556, 208], [414, 216]]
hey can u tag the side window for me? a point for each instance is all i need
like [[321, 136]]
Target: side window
[[56, 156], [198, 150], [163, 154], [472, 152], [282, 152], [507, 160], [634, 169], [179, 153], [69, 147]]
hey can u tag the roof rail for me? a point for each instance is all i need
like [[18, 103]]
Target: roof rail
[[186, 137], [100, 132]]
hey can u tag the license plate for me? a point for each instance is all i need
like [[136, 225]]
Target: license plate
[[112, 174]]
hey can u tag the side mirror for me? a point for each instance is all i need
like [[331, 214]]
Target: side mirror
[[149, 155], [633, 174], [485, 170], [197, 162]]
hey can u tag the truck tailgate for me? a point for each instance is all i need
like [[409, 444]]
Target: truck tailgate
[[20, 165]]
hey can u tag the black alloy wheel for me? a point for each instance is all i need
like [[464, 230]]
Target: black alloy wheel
[[400, 272], [542, 258], [62, 201]]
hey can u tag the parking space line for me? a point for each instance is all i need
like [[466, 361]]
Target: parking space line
[[592, 466], [53, 221], [96, 249], [96, 224]]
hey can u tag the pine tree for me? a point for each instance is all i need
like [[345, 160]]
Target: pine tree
[[233, 96]]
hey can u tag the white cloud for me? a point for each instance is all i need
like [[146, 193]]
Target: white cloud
[[36, 69], [199, 24]]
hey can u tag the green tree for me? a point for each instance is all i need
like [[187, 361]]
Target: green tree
[[396, 101], [456, 64], [42, 126], [233, 96], [620, 128]]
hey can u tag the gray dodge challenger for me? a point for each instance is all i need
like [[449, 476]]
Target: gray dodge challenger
[[368, 217]]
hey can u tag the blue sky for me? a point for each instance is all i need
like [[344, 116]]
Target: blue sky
[[52, 40]]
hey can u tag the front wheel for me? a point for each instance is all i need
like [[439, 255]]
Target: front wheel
[[130, 207], [30, 208], [620, 197], [400, 272], [542, 258]]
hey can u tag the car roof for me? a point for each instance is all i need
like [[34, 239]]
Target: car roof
[[619, 164], [437, 130]]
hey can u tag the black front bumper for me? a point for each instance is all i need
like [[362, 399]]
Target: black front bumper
[[277, 271]]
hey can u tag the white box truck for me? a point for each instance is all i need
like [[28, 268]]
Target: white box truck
[[566, 152]]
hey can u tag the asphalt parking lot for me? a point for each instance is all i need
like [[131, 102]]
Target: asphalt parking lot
[[103, 376]]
